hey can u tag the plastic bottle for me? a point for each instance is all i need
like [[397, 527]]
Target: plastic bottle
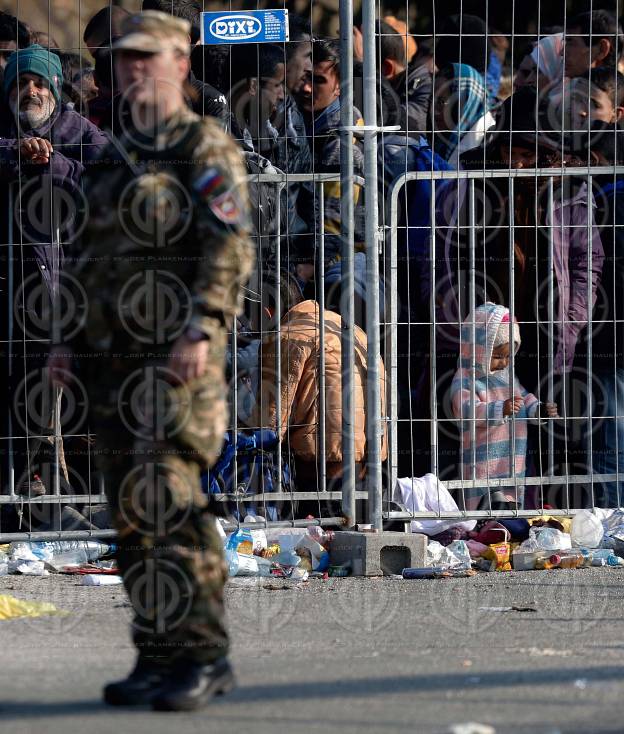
[[574, 559], [241, 541], [59, 553], [604, 557], [241, 564], [563, 560]]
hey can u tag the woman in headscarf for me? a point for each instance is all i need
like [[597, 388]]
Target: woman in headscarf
[[543, 66], [461, 114]]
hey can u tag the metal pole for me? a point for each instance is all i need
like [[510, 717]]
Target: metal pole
[[346, 251], [550, 390], [58, 393], [471, 308], [321, 296], [11, 317], [278, 341], [372, 238], [392, 368]]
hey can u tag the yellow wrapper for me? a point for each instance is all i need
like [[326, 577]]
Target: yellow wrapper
[[12, 608]]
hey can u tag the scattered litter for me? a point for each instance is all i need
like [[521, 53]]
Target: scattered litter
[[546, 652], [12, 608], [580, 683], [282, 586], [467, 664], [507, 609], [472, 728], [456, 555], [587, 530], [94, 579], [28, 568], [437, 572], [39, 557], [282, 553]]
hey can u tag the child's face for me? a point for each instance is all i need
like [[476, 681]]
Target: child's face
[[589, 104], [500, 358]]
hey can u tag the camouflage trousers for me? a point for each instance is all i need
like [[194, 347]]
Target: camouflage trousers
[[153, 438]]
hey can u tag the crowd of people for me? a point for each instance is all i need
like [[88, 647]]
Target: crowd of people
[[538, 255]]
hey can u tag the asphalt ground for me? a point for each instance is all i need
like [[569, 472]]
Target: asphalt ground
[[343, 655]]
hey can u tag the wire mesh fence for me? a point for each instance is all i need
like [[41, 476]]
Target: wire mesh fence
[[435, 216]]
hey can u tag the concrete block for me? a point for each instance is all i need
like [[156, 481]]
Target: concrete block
[[377, 554]]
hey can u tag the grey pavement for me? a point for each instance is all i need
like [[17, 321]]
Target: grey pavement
[[343, 655]]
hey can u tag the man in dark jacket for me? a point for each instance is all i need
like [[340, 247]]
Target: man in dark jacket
[[405, 91], [319, 100], [293, 150], [44, 150]]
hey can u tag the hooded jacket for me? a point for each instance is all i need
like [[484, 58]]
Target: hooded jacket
[[300, 382], [476, 386]]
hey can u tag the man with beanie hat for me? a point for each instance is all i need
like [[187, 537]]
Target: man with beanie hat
[[38, 121], [44, 149]]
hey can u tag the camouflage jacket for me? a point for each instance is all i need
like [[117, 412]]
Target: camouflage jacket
[[165, 247]]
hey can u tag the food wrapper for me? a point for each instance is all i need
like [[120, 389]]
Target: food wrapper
[[11, 607], [499, 553]]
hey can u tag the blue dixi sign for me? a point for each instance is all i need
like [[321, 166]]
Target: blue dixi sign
[[244, 26]]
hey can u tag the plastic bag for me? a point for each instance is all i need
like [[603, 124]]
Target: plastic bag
[[548, 539], [455, 555], [460, 550], [428, 494], [587, 530]]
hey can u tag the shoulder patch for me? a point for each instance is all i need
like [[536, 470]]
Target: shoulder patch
[[227, 207], [215, 187], [210, 183]]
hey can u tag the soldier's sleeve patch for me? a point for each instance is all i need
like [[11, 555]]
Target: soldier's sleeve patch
[[222, 199], [226, 207], [209, 182]]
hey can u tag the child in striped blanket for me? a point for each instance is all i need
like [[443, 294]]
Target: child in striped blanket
[[498, 452]]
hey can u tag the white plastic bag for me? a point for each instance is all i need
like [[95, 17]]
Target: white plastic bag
[[428, 494], [549, 539], [586, 530]]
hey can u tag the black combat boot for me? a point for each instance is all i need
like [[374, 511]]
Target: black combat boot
[[192, 685], [140, 687]]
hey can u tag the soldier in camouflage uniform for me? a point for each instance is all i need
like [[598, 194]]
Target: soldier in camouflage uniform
[[161, 265]]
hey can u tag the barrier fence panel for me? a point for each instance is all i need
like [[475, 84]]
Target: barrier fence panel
[[415, 181], [254, 488], [555, 487]]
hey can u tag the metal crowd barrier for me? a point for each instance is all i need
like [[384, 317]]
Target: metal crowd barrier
[[62, 491], [468, 180]]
